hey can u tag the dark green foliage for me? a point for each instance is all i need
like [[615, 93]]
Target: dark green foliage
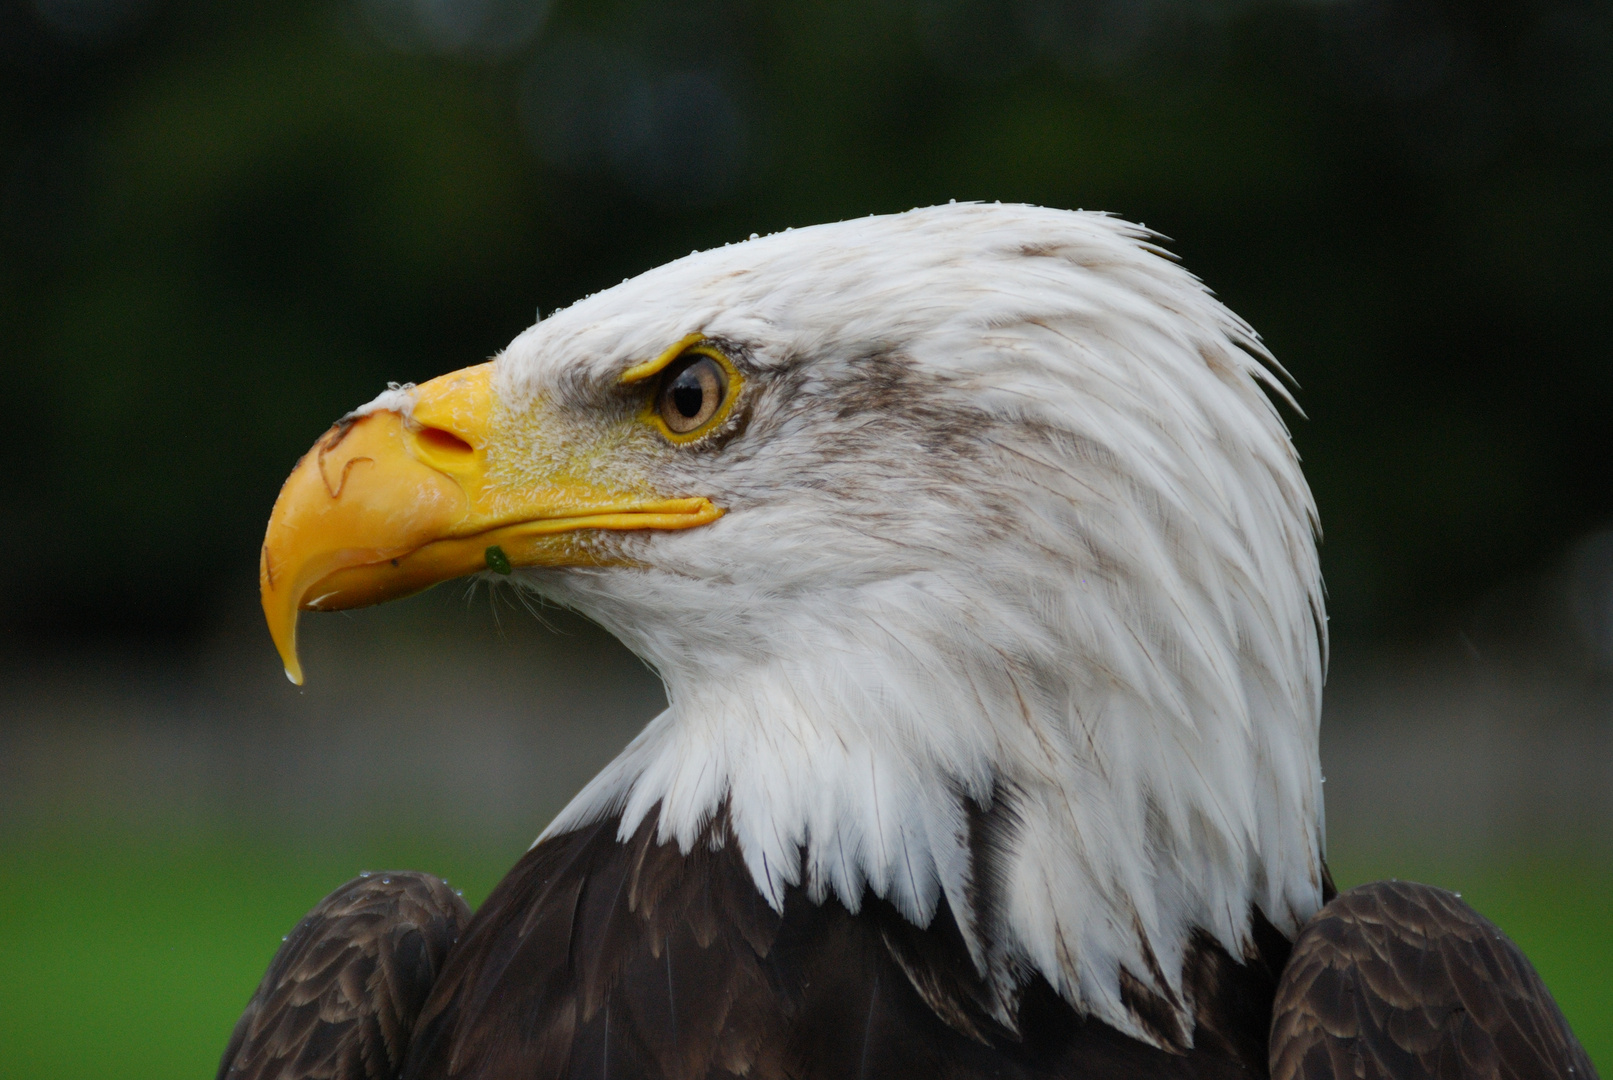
[[223, 226]]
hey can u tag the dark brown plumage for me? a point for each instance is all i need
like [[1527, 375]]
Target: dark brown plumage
[[600, 959], [1401, 981], [341, 996], [596, 958]]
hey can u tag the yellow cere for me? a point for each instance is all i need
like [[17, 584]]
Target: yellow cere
[[540, 446]]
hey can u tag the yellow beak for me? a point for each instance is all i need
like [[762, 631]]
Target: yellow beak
[[384, 506]]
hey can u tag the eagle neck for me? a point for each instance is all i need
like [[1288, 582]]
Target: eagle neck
[[914, 791]]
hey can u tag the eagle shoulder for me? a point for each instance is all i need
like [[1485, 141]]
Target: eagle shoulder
[[341, 996], [1401, 981]]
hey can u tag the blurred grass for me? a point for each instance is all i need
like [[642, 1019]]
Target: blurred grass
[[132, 955]]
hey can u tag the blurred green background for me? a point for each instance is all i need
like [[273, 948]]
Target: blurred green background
[[222, 226]]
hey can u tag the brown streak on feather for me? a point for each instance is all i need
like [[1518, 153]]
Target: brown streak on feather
[[1153, 1012]]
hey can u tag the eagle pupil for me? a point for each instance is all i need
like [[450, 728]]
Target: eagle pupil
[[688, 395]]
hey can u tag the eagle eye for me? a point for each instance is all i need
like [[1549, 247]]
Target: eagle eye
[[691, 393]]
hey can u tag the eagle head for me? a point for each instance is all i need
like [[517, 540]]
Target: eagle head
[[968, 542]]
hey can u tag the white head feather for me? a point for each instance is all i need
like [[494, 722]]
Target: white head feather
[[1011, 523]]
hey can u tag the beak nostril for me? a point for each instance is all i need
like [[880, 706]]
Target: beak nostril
[[444, 441]]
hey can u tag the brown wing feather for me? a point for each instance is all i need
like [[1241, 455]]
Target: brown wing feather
[[596, 958], [1401, 981], [341, 996]]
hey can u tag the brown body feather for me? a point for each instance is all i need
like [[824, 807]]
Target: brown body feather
[[596, 958], [341, 996], [1399, 981]]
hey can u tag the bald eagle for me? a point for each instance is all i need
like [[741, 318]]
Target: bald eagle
[[982, 577]]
